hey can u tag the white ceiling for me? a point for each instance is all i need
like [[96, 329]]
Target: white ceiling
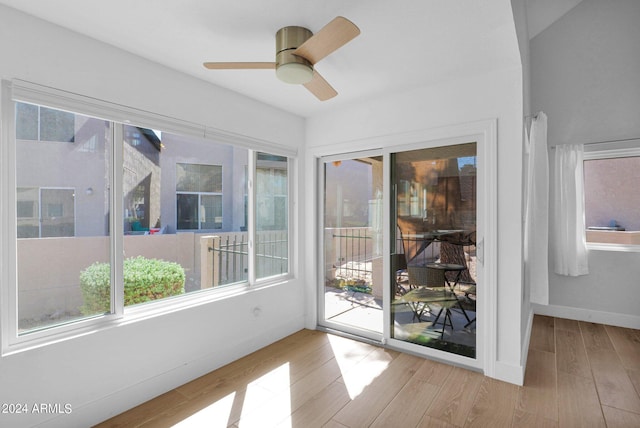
[[402, 45]]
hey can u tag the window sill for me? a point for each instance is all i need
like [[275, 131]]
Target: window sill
[[601, 246], [178, 303], [133, 314], [615, 237]]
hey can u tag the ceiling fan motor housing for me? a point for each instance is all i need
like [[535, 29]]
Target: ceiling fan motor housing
[[292, 68]]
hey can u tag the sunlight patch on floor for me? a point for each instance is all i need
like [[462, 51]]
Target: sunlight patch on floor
[[276, 380], [214, 415], [268, 399], [359, 363]]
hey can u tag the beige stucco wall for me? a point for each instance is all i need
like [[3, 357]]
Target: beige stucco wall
[[49, 269], [611, 192]]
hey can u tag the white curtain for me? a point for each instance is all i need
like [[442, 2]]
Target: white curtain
[[536, 238], [569, 236]]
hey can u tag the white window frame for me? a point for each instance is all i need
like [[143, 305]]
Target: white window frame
[[21, 91], [200, 195], [617, 149]]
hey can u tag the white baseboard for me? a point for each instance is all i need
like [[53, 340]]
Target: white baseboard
[[588, 315], [524, 352], [515, 373], [509, 373]]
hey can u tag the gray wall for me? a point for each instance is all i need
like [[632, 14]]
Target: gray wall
[[178, 149], [80, 165], [585, 72]]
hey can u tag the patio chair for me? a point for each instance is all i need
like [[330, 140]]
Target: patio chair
[[399, 266], [431, 292], [467, 293]]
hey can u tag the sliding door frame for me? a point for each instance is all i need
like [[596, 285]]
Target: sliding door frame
[[484, 134], [321, 321]]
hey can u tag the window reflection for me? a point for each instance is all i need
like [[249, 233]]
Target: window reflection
[[434, 247]]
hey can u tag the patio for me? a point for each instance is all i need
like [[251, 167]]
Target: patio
[[364, 311]]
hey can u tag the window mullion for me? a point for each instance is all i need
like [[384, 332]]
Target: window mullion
[[251, 220], [290, 196], [38, 124], [39, 212], [117, 220], [199, 211]]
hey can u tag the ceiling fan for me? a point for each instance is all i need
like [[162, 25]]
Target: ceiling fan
[[297, 51]]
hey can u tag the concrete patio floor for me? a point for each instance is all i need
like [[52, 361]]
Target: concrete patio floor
[[364, 311]]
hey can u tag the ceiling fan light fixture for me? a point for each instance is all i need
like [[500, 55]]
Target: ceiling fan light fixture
[[291, 68], [297, 51], [295, 73]]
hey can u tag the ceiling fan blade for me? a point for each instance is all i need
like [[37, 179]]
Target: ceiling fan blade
[[320, 88], [239, 65], [332, 36]]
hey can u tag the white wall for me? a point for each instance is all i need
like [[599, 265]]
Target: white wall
[[108, 371], [585, 70], [495, 95], [522, 31], [49, 55]]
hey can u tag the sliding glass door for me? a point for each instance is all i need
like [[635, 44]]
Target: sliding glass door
[[433, 248], [402, 261], [351, 295]]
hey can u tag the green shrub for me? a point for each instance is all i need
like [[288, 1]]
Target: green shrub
[[144, 280]]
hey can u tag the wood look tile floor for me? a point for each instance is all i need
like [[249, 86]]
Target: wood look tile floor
[[578, 374]]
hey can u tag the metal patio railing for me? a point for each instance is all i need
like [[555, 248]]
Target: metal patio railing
[[349, 252], [227, 259]]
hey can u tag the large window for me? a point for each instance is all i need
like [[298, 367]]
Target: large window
[[611, 182], [125, 215]]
